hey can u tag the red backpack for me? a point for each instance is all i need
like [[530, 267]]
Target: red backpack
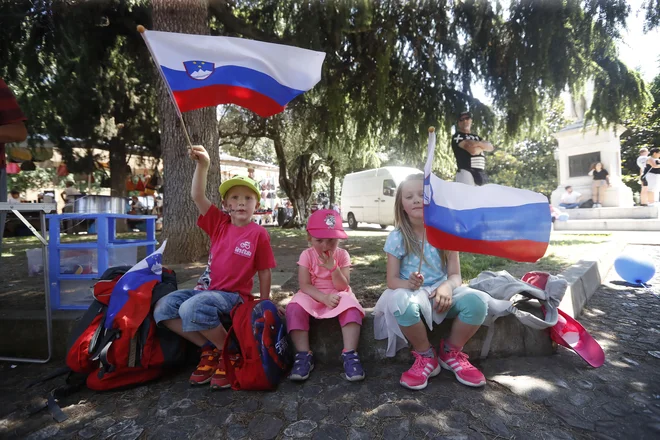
[[110, 357], [260, 335]]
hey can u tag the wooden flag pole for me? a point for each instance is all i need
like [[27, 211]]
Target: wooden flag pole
[[185, 130], [141, 29], [421, 259]]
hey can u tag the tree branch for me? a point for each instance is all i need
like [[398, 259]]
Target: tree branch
[[223, 11]]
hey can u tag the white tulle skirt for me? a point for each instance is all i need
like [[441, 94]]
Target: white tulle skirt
[[398, 300]]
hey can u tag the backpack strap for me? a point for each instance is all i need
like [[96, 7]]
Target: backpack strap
[[74, 382], [94, 342], [53, 374], [132, 353], [102, 356]]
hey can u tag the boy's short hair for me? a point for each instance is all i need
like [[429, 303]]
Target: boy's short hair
[[460, 115], [239, 181], [643, 150], [567, 187]]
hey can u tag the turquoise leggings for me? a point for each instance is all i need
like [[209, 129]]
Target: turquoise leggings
[[469, 308]]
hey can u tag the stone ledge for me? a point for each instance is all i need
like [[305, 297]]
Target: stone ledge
[[511, 338], [585, 276], [24, 336], [23, 332]]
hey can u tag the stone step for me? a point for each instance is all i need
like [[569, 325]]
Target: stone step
[[24, 332], [24, 335], [636, 212], [608, 225]]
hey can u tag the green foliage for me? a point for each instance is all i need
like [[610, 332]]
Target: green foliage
[[82, 73], [392, 69], [529, 164], [652, 14], [47, 178], [39, 178]]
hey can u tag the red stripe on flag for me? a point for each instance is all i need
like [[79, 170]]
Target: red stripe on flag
[[221, 94], [137, 307], [518, 250]]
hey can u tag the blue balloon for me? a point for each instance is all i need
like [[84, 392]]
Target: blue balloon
[[635, 270]]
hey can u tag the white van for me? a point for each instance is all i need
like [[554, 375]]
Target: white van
[[368, 196]]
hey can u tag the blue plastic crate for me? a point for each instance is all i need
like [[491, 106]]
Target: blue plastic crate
[[71, 290]]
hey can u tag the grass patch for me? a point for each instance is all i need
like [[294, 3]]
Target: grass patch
[[473, 264], [368, 276]]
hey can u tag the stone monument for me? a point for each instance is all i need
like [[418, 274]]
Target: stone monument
[[581, 146]]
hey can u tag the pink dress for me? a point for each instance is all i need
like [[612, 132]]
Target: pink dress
[[322, 279]]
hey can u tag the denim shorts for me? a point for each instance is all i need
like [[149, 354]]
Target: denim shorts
[[198, 309]]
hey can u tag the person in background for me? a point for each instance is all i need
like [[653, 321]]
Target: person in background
[[641, 164], [16, 196], [137, 207], [68, 195], [652, 174], [469, 151], [600, 183], [570, 199]]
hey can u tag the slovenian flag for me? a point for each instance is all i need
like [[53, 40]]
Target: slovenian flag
[[130, 300], [491, 219], [203, 71]]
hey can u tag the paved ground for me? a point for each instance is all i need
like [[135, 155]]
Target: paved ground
[[559, 397]]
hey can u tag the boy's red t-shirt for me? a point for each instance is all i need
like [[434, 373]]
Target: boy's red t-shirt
[[237, 253]]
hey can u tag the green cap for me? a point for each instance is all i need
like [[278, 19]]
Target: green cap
[[239, 181]]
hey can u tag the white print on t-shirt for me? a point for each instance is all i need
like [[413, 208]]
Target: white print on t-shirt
[[466, 137], [243, 249], [478, 162]]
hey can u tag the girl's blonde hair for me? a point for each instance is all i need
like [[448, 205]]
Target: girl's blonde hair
[[402, 221]]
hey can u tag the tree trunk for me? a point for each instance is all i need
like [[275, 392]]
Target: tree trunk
[[186, 242], [302, 191], [303, 168], [333, 175], [118, 175]]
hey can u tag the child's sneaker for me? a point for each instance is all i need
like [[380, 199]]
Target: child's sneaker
[[457, 362], [418, 376], [207, 365], [303, 364], [219, 380], [353, 370]]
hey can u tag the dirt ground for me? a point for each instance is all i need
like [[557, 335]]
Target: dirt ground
[[18, 290]]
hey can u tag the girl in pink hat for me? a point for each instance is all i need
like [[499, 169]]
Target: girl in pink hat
[[323, 277]]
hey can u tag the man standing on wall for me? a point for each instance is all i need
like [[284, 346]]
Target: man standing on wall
[[12, 129], [469, 152]]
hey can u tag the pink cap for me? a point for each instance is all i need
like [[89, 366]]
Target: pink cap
[[325, 223]]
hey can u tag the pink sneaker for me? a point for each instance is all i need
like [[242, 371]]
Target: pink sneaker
[[457, 362], [418, 376]]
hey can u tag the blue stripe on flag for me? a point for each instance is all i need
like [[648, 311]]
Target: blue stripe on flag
[[236, 76], [526, 222]]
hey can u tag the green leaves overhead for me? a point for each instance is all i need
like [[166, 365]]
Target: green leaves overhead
[[394, 68]]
